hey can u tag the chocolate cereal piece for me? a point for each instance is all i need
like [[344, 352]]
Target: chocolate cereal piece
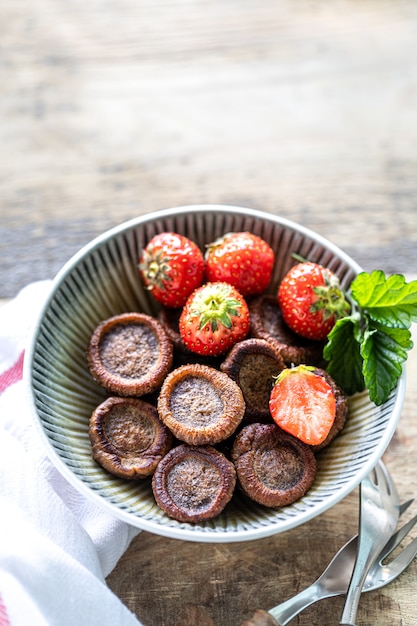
[[267, 323], [254, 364], [130, 354], [273, 468], [128, 439], [200, 405], [193, 483]]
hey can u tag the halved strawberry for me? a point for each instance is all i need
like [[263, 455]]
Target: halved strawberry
[[242, 259], [213, 319], [311, 300], [171, 266], [303, 404]]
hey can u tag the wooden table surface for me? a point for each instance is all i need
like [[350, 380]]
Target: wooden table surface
[[110, 109]]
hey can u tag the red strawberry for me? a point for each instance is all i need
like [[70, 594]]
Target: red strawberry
[[241, 259], [311, 300], [171, 266], [214, 318], [303, 404]]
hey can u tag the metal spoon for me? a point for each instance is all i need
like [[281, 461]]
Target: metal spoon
[[335, 578], [379, 511]]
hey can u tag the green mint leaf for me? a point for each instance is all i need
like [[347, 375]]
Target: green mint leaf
[[390, 301], [384, 351], [342, 351]]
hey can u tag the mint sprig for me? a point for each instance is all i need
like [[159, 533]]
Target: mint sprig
[[368, 348], [391, 301]]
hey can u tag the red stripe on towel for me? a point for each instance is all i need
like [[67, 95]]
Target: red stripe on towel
[[12, 375], [4, 619]]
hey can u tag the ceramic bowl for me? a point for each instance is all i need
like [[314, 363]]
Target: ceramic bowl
[[102, 280]]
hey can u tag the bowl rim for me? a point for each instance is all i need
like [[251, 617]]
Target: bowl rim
[[183, 532]]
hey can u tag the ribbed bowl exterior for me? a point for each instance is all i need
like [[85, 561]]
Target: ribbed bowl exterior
[[103, 280]]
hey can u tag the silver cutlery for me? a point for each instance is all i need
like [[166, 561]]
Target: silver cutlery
[[378, 517], [335, 578]]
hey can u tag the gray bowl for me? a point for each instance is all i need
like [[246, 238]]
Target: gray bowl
[[102, 280]]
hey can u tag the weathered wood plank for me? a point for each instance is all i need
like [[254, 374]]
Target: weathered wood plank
[[110, 110]]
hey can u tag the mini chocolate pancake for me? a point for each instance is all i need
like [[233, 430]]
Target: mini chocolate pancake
[[193, 483], [254, 364], [342, 410], [273, 468], [130, 354], [200, 405], [267, 323], [127, 437]]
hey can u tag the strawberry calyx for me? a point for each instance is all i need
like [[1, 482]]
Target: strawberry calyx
[[289, 371], [215, 305], [331, 299], [156, 269]]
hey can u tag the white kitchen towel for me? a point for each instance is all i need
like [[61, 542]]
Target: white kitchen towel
[[56, 548]]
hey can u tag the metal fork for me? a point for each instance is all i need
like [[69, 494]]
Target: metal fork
[[335, 578], [379, 511]]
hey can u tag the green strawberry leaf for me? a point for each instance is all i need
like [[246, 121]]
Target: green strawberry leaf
[[390, 301], [225, 318], [342, 351], [384, 350]]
